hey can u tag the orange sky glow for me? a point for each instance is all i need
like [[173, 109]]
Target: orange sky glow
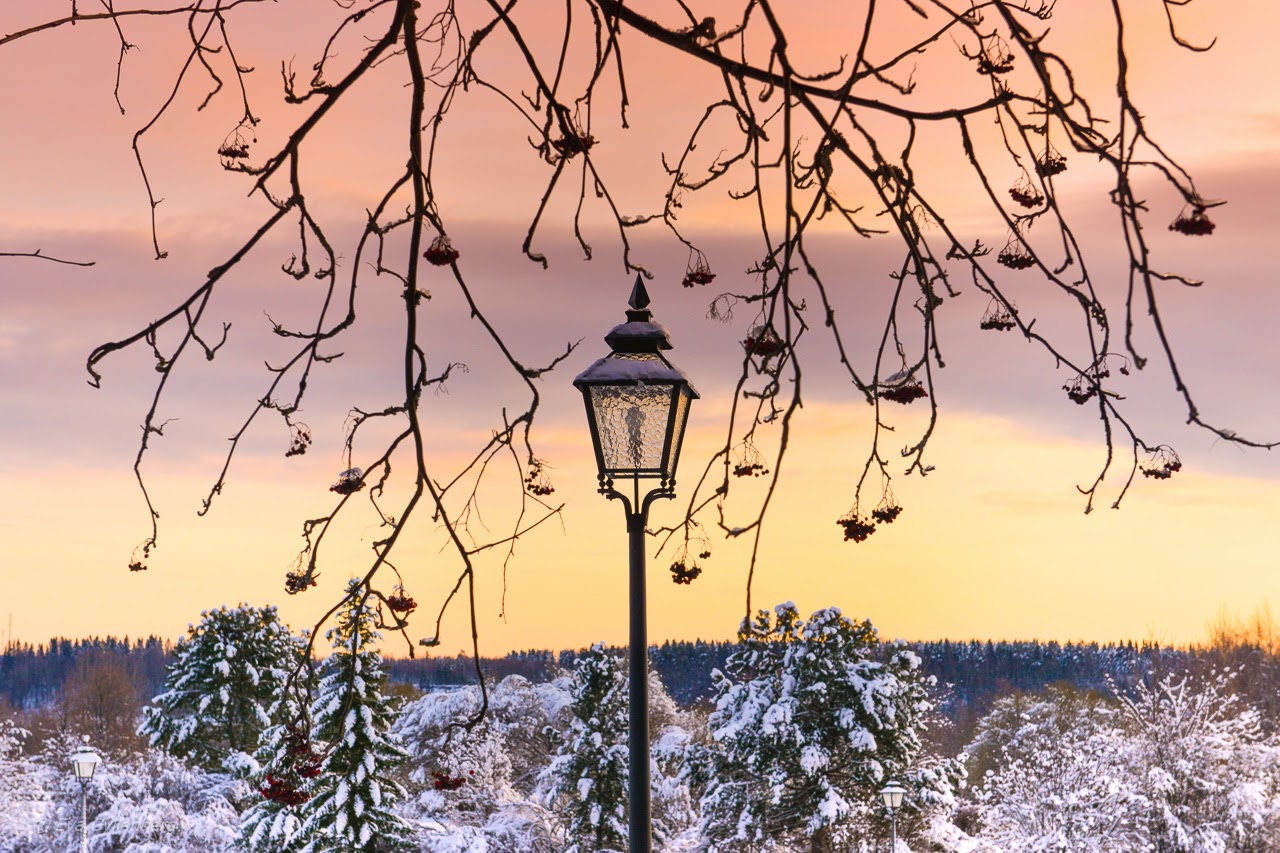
[[992, 544]]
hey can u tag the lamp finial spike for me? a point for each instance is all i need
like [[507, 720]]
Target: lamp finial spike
[[639, 296]]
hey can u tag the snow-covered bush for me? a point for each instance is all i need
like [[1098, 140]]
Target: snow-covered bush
[[150, 803], [476, 788], [157, 805], [23, 800], [1176, 765], [1210, 776], [1056, 775]]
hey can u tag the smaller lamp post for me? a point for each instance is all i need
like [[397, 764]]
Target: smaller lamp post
[[637, 407], [892, 795], [83, 762]]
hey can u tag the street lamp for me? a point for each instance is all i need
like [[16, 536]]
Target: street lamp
[[83, 762], [892, 795], [637, 408]]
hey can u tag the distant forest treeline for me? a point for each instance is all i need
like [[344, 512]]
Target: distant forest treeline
[[972, 674], [31, 676]]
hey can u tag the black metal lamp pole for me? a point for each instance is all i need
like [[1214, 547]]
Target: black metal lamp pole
[[637, 408], [638, 784]]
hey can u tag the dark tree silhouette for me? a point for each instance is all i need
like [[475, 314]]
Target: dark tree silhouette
[[798, 144]]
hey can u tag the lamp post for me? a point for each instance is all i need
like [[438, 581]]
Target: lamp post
[[637, 408], [892, 795], [83, 762]]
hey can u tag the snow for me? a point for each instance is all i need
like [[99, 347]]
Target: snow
[[614, 370], [1175, 762]]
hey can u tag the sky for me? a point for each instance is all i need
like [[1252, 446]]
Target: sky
[[992, 544]]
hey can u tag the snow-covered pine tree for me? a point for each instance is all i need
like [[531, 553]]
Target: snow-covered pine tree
[[587, 780], [812, 718], [350, 807], [226, 673]]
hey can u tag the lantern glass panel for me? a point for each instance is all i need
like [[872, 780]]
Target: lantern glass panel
[[632, 420], [681, 414]]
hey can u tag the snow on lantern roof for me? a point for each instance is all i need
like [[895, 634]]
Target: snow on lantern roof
[[619, 370]]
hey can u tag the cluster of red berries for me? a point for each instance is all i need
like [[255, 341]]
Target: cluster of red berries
[[281, 791], [698, 273], [1015, 257], [573, 143], [300, 440], [754, 469], [1080, 391], [683, 573], [1162, 465], [886, 514], [234, 150], [907, 392], [856, 527], [1197, 224], [442, 781], [1052, 163], [536, 482], [296, 582], [304, 760], [349, 482], [1026, 196], [763, 342], [441, 252], [401, 602]]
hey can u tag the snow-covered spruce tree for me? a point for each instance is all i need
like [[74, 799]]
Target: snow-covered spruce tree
[[810, 720], [350, 806], [588, 777], [226, 673]]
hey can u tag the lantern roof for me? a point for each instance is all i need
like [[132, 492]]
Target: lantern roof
[[640, 333], [637, 350]]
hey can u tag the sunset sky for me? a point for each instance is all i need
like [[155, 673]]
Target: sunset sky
[[993, 544]]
